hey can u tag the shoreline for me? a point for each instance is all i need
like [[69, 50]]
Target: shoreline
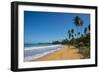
[[65, 53], [42, 53]]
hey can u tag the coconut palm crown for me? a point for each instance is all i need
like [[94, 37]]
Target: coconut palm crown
[[78, 21]]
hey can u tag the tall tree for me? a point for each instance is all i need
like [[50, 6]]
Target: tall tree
[[72, 33], [78, 22], [78, 33], [85, 30], [69, 33], [82, 35]]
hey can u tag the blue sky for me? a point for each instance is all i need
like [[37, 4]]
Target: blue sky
[[50, 26]]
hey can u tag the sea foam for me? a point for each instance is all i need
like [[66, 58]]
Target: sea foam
[[39, 55]]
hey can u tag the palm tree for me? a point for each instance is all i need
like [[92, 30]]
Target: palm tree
[[82, 35], [75, 34], [72, 33], [78, 33], [69, 33], [85, 30], [78, 22]]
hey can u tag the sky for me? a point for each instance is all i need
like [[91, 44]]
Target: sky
[[42, 27]]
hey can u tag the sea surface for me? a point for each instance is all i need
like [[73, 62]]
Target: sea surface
[[33, 52]]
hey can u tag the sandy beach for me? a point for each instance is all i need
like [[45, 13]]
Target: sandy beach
[[63, 54]]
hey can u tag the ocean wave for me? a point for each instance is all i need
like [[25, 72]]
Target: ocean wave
[[32, 58], [41, 54], [31, 48]]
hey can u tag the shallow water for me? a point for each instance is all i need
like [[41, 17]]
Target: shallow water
[[35, 52]]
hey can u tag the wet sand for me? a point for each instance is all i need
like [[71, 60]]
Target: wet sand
[[62, 54]]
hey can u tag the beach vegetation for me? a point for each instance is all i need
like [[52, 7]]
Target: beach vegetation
[[78, 39]]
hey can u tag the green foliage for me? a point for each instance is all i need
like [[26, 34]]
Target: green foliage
[[84, 47], [85, 30], [85, 51], [78, 21], [69, 33], [56, 42], [64, 41], [72, 31], [79, 39]]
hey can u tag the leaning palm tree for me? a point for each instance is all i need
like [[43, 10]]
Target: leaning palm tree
[[78, 22]]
